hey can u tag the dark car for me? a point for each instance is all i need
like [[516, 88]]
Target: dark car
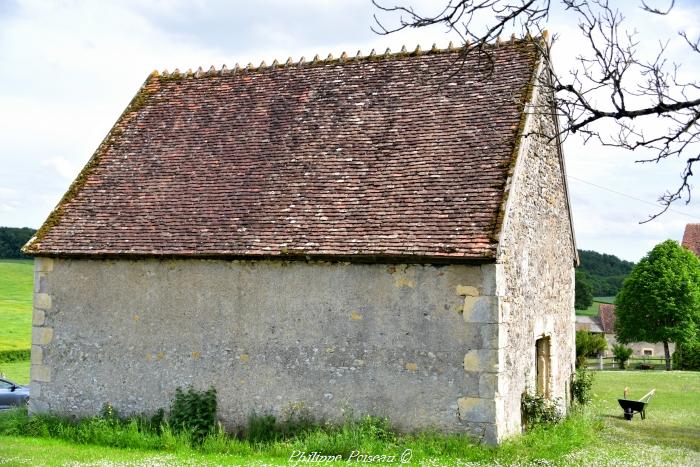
[[12, 394]]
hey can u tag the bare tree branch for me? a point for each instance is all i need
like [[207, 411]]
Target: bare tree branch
[[652, 110]]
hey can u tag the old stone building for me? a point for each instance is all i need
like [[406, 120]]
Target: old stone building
[[384, 234]]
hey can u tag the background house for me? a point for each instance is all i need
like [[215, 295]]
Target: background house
[[372, 234], [639, 349], [691, 238]]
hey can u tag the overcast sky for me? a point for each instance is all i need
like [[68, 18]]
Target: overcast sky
[[69, 68]]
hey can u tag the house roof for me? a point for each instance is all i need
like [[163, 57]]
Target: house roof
[[397, 155], [691, 238], [606, 314], [588, 323]]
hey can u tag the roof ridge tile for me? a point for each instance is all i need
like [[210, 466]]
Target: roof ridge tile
[[344, 58]]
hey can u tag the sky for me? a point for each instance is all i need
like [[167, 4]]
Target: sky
[[68, 68]]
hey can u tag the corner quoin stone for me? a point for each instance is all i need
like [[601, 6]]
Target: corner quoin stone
[[40, 373], [42, 301], [43, 264], [38, 317], [476, 409], [42, 335], [481, 360], [37, 355]]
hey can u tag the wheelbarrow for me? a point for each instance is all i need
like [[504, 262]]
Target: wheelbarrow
[[631, 407]]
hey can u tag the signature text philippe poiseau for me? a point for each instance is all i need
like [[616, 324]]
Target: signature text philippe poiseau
[[303, 457]]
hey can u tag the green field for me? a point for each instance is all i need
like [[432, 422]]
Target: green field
[[17, 372], [593, 309], [599, 435], [16, 283]]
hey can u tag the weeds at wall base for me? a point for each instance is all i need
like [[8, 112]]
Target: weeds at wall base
[[368, 434]]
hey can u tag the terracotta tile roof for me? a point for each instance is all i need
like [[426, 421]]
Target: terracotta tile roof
[[691, 238], [606, 313], [372, 156]]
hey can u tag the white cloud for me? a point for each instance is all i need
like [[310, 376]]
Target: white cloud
[[62, 166], [70, 68]]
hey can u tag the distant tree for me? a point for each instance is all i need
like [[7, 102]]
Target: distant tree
[[588, 345], [584, 294], [605, 272], [660, 300], [621, 354], [12, 239], [687, 355]]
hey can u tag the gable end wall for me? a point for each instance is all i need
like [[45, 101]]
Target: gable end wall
[[535, 270]]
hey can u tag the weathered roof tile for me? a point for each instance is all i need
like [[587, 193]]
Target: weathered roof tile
[[374, 156]]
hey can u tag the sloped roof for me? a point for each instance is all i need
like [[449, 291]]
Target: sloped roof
[[368, 157], [606, 313], [691, 238], [588, 323]]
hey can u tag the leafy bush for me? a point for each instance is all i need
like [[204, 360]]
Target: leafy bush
[[588, 345], [687, 355], [14, 355], [581, 386], [621, 354], [194, 412], [538, 410]]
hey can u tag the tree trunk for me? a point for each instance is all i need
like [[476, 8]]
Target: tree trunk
[[667, 354]]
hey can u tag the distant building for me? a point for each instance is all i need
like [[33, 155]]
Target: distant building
[[691, 238], [589, 323], [606, 316], [604, 324]]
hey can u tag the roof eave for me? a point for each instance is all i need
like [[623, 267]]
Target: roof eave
[[290, 256]]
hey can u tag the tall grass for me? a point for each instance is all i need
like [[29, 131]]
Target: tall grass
[[367, 435], [135, 433]]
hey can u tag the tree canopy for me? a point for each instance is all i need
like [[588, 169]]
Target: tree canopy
[[660, 299], [12, 239], [584, 295], [605, 272]]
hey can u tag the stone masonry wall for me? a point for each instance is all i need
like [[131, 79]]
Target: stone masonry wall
[[414, 343], [535, 273]]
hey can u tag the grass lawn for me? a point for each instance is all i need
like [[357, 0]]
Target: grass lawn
[[16, 283], [673, 417], [33, 452], [599, 436], [16, 371]]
